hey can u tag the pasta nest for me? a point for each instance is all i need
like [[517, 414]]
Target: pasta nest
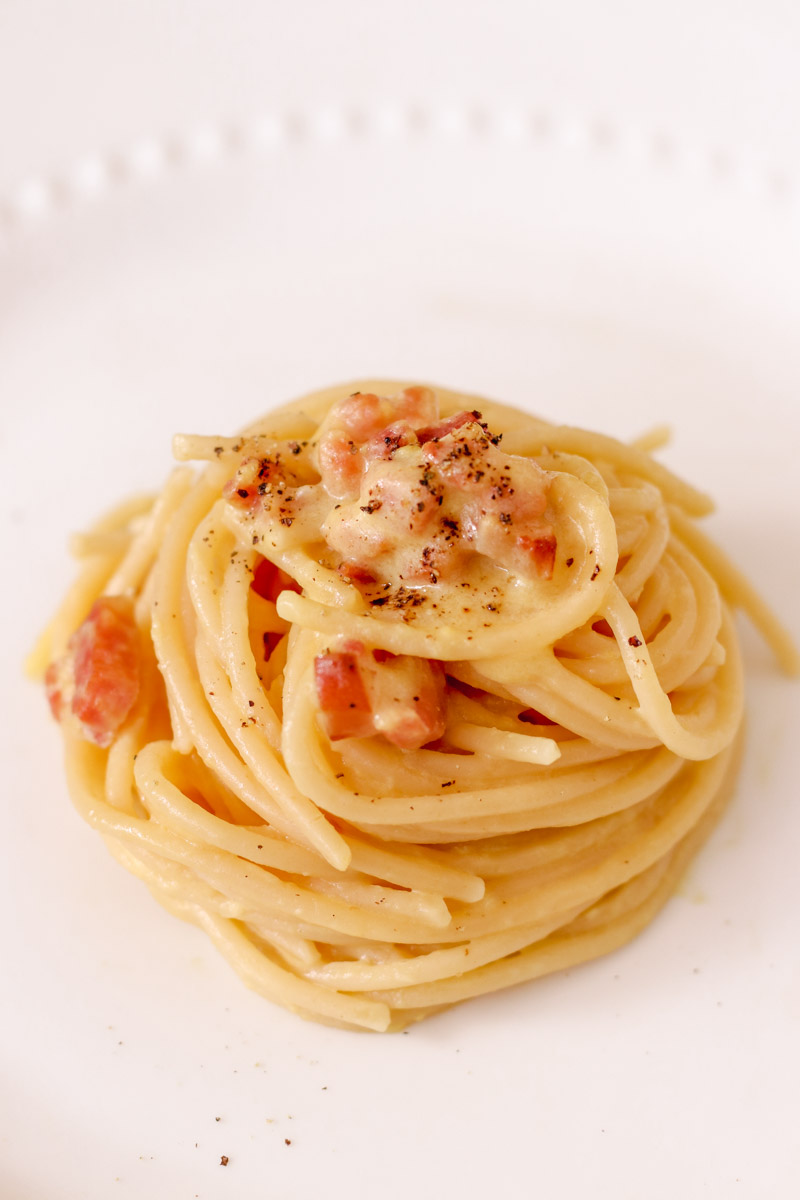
[[590, 729]]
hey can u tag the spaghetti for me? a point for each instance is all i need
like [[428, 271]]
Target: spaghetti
[[397, 711]]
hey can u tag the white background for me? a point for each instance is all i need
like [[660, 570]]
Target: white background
[[87, 75], [590, 209]]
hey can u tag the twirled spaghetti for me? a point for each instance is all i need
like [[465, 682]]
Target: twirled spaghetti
[[398, 712]]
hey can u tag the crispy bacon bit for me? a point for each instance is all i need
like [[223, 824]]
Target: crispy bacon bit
[[362, 415], [97, 680], [417, 405], [353, 646], [432, 433], [541, 551], [364, 693], [387, 441], [106, 653], [340, 464], [269, 581], [343, 700]]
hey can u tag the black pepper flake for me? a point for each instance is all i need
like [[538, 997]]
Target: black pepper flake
[[595, 573], [570, 561], [634, 641], [402, 599], [428, 481], [243, 492], [505, 518], [224, 1160], [287, 521], [372, 507], [218, 450], [448, 783], [287, 1141]]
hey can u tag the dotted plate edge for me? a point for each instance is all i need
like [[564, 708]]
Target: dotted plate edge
[[96, 176]]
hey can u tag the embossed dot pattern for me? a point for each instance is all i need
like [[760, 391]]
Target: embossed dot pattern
[[94, 176]]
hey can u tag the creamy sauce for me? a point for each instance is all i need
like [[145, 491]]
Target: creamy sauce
[[426, 519]]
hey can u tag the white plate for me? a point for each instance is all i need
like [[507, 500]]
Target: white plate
[[597, 277]]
